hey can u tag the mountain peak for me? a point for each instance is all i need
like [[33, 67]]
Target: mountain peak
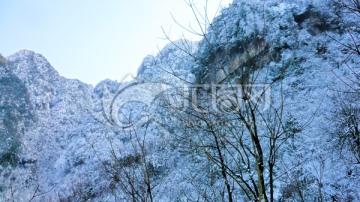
[[26, 64], [22, 53]]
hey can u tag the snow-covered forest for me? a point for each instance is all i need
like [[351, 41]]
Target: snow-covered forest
[[265, 107]]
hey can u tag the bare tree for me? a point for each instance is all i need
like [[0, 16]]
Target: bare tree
[[347, 94], [244, 139], [131, 175], [130, 172]]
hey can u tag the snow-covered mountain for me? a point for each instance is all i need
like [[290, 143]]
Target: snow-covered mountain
[[155, 138]]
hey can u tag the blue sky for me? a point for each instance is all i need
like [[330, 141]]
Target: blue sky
[[92, 40]]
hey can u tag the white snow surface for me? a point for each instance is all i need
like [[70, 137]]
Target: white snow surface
[[73, 138]]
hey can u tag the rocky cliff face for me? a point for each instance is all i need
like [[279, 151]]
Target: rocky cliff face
[[65, 140], [16, 114], [55, 119]]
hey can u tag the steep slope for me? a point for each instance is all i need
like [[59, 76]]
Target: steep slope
[[62, 113], [150, 139], [307, 53], [16, 114]]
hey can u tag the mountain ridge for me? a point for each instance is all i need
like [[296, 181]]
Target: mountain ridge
[[75, 146]]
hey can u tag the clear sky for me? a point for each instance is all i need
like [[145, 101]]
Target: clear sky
[[92, 40]]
